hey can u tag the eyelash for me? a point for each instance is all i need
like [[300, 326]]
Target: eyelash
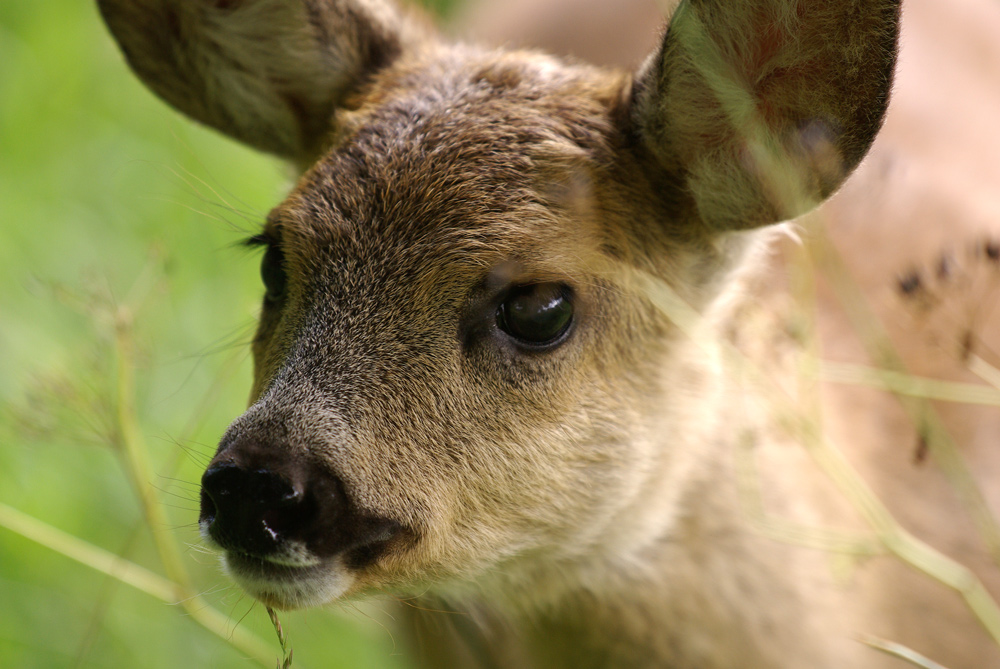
[[261, 239]]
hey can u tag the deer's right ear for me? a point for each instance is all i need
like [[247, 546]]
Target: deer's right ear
[[759, 110], [267, 72]]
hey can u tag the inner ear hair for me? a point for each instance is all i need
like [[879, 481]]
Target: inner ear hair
[[269, 73], [764, 108]]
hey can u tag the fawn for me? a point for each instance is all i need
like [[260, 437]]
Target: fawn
[[490, 367]]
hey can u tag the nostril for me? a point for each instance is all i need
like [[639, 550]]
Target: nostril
[[207, 514], [250, 510], [268, 506]]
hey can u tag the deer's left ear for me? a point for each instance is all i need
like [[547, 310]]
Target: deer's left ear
[[269, 73], [761, 108]]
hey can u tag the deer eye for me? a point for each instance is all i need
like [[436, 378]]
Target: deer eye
[[272, 272], [537, 315]]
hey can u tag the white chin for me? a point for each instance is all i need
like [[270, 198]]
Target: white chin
[[284, 586]]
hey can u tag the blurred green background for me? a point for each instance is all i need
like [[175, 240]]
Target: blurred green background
[[120, 225]]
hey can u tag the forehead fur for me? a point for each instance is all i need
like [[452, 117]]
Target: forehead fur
[[460, 146]]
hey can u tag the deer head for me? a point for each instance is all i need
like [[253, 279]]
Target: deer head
[[457, 381]]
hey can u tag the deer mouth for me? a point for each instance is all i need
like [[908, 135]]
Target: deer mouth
[[290, 541], [285, 586], [293, 576]]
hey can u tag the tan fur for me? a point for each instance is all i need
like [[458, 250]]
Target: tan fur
[[580, 505], [926, 193]]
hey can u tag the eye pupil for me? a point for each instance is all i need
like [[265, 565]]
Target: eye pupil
[[536, 314], [272, 272]]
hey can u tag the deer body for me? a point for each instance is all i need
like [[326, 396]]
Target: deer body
[[491, 365]]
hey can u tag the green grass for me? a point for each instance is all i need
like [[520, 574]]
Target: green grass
[[126, 304]]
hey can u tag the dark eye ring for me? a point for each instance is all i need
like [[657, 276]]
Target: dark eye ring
[[537, 315], [272, 273]]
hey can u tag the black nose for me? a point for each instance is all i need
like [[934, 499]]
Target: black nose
[[260, 500], [254, 510]]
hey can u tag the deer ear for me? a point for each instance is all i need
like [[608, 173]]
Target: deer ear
[[266, 72], [761, 109]]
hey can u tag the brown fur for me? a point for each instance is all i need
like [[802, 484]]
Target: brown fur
[[579, 503], [925, 198]]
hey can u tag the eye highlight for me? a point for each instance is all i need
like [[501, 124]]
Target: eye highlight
[[537, 315]]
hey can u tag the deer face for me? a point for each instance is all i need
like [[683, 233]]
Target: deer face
[[457, 379], [442, 310]]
